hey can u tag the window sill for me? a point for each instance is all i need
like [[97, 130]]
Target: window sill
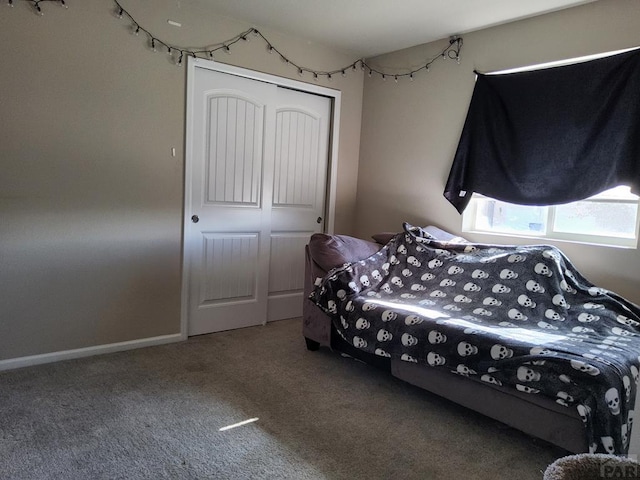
[[541, 239]]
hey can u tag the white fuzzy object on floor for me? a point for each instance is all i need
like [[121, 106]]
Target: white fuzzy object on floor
[[592, 466]]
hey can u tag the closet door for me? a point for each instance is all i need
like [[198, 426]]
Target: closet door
[[257, 185], [299, 190], [231, 180]]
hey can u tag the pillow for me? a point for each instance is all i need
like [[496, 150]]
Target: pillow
[[331, 251], [385, 237], [443, 235]]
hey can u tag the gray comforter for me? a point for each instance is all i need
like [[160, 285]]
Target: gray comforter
[[516, 316]]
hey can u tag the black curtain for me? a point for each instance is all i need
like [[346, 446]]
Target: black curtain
[[551, 136]]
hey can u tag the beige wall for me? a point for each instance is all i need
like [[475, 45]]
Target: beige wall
[[90, 196], [410, 130]]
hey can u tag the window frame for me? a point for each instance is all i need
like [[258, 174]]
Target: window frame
[[469, 225], [469, 214]]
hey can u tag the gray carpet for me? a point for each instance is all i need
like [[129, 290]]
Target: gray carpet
[[155, 413]]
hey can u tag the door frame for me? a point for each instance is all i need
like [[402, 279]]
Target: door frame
[[332, 166]]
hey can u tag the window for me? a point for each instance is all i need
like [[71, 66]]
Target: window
[[609, 218]]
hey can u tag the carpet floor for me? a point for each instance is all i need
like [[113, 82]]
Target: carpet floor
[[156, 413]]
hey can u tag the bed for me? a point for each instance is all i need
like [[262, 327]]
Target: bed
[[512, 332]]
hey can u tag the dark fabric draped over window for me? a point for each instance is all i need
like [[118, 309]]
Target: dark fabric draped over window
[[551, 136]]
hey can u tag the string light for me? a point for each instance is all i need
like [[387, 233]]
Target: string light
[[452, 50], [36, 4]]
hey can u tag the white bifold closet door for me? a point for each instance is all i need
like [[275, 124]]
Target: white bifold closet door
[[258, 184]]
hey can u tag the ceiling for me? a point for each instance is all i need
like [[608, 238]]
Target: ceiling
[[372, 27]]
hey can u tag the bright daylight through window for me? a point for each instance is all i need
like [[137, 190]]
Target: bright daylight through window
[[609, 218]]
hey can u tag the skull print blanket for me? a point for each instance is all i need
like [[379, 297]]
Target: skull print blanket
[[517, 316]]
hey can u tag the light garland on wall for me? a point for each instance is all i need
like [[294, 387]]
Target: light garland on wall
[[36, 4], [451, 51]]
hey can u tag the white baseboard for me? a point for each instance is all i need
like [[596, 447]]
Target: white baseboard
[[31, 360]]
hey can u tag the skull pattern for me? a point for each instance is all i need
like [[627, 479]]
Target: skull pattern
[[526, 389], [553, 315], [362, 324], [408, 358], [507, 274], [500, 288], [526, 374], [477, 274], [515, 314], [436, 337], [464, 370], [465, 349], [559, 301], [500, 352], [413, 261], [471, 287], [542, 269], [368, 306], [384, 335], [359, 342], [408, 340], [585, 367], [434, 359], [413, 320], [588, 317], [389, 315], [627, 387], [607, 443], [435, 263], [491, 301], [490, 379], [525, 301], [455, 270], [534, 286]]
